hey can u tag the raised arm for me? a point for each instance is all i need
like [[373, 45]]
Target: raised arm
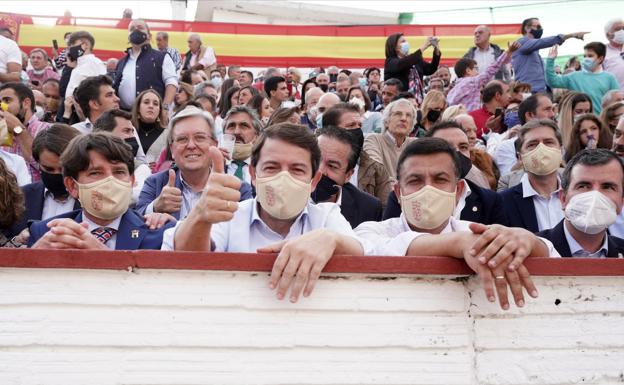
[[552, 79]]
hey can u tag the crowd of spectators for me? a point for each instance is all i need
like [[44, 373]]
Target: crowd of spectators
[[500, 158]]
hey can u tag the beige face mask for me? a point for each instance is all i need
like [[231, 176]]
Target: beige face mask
[[242, 151], [428, 207], [105, 199], [282, 196], [542, 160]]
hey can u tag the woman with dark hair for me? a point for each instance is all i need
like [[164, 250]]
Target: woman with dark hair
[[225, 86], [410, 68], [230, 99], [371, 121], [11, 205], [147, 115], [184, 95], [261, 105], [587, 132], [246, 94], [573, 104], [307, 85]]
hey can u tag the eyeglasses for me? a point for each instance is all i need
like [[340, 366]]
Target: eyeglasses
[[183, 140]]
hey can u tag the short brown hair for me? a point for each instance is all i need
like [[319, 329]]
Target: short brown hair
[[76, 157], [533, 124], [54, 139], [295, 134], [106, 122], [82, 35], [11, 197]]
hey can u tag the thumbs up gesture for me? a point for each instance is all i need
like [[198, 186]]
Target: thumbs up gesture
[[219, 200], [170, 198]]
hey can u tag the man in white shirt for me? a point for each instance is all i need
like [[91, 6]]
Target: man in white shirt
[[81, 44], [241, 122], [199, 57], [281, 218], [614, 60], [10, 61], [429, 187], [534, 204]]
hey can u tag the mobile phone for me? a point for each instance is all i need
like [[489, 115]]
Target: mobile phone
[[55, 44], [498, 112], [35, 82]]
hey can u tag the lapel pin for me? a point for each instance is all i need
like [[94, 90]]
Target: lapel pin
[[475, 209], [134, 234]]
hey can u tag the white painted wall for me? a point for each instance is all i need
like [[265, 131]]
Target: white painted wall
[[204, 327]]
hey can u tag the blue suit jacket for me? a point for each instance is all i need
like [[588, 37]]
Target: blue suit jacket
[[519, 211], [557, 236], [34, 198], [133, 234], [482, 206], [155, 183]]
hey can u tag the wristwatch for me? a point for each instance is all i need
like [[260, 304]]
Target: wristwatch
[[18, 130]]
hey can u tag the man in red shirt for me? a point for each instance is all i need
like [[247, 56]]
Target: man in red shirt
[[494, 95]]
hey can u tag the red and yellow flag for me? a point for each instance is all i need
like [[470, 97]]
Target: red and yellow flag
[[255, 45]]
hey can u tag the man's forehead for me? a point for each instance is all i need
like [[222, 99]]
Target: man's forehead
[[603, 173], [277, 150], [239, 117], [428, 163], [452, 135]]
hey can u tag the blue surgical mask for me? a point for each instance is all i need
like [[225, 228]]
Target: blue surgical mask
[[216, 81], [319, 120], [588, 64], [405, 48], [511, 119], [363, 82]]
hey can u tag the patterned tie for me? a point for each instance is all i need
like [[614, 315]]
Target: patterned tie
[[239, 169], [103, 234]]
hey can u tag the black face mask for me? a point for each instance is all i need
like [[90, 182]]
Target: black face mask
[[75, 52], [537, 33], [325, 188], [132, 142], [465, 164], [54, 184], [433, 116], [137, 37], [323, 87], [358, 138], [333, 78]]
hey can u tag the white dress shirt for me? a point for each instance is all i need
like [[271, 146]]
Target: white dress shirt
[[393, 236], [547, 209], [85, 127], [88, 65], [505, 156], [189, 199], [577, 251], [247, 232], [112, 242], [614, 63], [52, 207], [17, 165], [484, 58], [127, 87]]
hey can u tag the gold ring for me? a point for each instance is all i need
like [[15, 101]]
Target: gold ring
[[500, 277]]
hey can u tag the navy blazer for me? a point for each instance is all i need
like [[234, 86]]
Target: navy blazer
[[154, 184], [482, 206], [557, 236], [519, 211], [34, 198], [133, 234], [358, 206]]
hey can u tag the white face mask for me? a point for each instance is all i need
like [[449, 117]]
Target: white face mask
[[542, 160], [591, 212], [39, 112], [38, 72], [428, 207], [618, 36], [282, 196], [357, 102], [106, 199]]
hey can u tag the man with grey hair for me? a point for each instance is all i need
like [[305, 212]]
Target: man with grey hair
[[41, 70], [312, 97], [242, 122], [162, 42], [486, 53], [385, 148], [611, 97], [176, 191], [614, 60], [206, 88], [199, 57]]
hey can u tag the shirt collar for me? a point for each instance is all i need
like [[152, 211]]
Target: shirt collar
[[528, 190], [576, 248], [185, 185], [255, 215], [450, 227], [114, 224]]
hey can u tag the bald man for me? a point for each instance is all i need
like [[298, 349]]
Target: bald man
[[486, 53]]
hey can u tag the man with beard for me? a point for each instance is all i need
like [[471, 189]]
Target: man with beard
[[339, 156], [241, 122]]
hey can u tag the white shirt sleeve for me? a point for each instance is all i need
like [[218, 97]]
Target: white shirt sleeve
[[168, 237], [209, 58], [169, 75], [383, 243], [14, 55], [21, 171], [552, 252]]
